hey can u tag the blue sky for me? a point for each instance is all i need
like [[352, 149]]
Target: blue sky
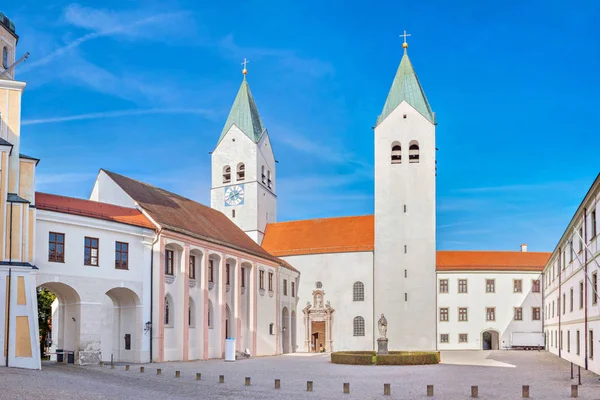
[[143, 88]]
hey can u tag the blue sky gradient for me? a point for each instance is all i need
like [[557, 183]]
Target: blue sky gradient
[[144, 88]]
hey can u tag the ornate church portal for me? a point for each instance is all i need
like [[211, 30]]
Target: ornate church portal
[[318, 318]]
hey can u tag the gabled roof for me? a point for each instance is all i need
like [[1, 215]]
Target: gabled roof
[[491, 261], [244, 115], [92, 209], [179, 214], [406, 87], [315, 236]]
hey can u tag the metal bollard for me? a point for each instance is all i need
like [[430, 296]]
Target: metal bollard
[[142, 370], [127, 368], [198, 376], [387, 390], [277, 383], [158, 371], [102, 363], [221, 378], [574, 391], [346, 387], [247, 381], [474, 391], [429, 390], [525, 391], [309, 386], [177, 374]]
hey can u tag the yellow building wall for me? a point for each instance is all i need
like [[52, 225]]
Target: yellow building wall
[[21, 296], [23, 337], [3, 168], [31, 235], [13, 246], [26, 175], [13, 123]]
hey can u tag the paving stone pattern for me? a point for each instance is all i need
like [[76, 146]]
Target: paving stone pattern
[[547, 376]]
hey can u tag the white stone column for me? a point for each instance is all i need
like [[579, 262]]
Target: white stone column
[[307, 332], [90, 327], [204, 302], [253, 301], [237, 303], [222, 304]]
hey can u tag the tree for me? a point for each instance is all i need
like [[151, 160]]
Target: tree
[[45, 298]]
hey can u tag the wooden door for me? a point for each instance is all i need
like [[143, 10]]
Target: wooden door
[[318, 335]]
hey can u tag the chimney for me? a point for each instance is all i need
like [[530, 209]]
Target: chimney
[[524, 248]]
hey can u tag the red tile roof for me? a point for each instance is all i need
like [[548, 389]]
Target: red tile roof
[[93, 209], [353, 234]]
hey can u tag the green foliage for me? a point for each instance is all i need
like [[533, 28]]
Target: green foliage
[[393, 358], [45, 298]]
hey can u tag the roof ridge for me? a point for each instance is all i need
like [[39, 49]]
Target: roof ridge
[[321, 219], [83, 199], [494, 251]]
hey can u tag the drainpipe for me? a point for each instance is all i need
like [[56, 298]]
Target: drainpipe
[[10, 235], [585, 288], [543, 310], [560, 299], [8, 315], [152, 288], [373, 294]]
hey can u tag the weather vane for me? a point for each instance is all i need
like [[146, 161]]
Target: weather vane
[[405, 35], [245, 70]]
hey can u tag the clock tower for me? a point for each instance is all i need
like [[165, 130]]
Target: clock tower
[[243, 168]]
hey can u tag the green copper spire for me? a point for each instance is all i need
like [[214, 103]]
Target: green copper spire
[[244, 114], [406, 87]]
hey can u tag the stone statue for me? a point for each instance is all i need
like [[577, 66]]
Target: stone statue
[[319, 302], [382, 324]]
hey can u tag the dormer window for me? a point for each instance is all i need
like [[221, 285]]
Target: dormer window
[[241, 172], [396, 153], [5, 57], [413, 152], [226, 174]]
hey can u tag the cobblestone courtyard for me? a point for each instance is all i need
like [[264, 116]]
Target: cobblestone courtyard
[[499, 375]]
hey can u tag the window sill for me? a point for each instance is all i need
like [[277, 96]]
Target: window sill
[[243, 289], [168, 326], [90, 265], [211, 285], [192, 283], [56, 261], [271, 293], [169, 279], [227, 287], [261, 292]]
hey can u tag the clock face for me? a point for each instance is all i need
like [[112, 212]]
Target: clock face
[[234, 195]]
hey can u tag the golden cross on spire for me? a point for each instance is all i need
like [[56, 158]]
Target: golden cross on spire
[[405, 35], [245, 70]]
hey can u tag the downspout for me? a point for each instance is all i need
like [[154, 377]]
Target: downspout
[[560, 299], [10, 235], [8, 315], [543, 288], [585, 288], [152, 288], [373, 294]]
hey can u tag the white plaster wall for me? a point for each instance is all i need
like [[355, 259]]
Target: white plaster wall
[[408, 302], [266, 307], [337, 272], [504, 299], [289, 302], [107, 191], [94, 318]]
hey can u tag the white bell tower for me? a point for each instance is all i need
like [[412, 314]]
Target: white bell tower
[[243, 168], [405, 231]]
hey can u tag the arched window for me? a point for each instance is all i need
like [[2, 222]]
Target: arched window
[[264, 177], [226, 174], [413, 152], [210, 315], [318, 285], [269, 179], [168, 311], [191, 314], [359, 326], [241, 172], [5, 57], [358, 291], [396, 153]]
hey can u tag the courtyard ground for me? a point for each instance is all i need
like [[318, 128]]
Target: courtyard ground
[[499, 375]]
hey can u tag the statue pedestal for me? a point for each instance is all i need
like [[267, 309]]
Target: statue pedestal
[[382, 346]]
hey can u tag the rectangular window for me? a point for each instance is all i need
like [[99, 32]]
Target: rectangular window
[[444, 338], [293, 289], [444, 314], [211, 271], [462, 286], [578, 342], [580, 239], [90, 252], [462, 338], [227, 275], [518, 314], [490, 285], [552, 308], [581, 294], [56, 247], [270, 281], [192, 271], [571, 300], [261, 279], [535, 287], [243, 277], [568, 341], [591, 348], [593, 224], [595, 288], [490, 314], [560, 340], [564, 303], [443, 285], [462, 314], [535, 314], [285, 287], [518, 286], [571, 251], [121, 255], [169, 262]]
